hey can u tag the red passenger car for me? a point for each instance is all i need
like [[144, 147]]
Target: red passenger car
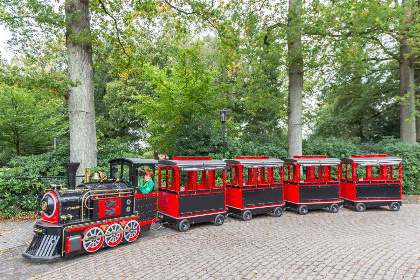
[[312, 182], [255, 186], [192, 190], [372, 181]]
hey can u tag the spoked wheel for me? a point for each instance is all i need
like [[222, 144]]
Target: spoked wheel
[[184, 225], [334, 208], [394, 206], [360, 207], [247, 215], [278, 211], [303, 209], [113, 234], [93, 239], [219, 220], [131, 231]]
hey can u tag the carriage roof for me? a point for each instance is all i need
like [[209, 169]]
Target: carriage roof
[[256, 162], [373, 160], [313, 161], [193, 165]]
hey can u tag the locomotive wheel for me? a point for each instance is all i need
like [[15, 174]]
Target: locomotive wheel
[[131, 231], [303, 209], [93, 239], [360, 207], [184, 225], [113, 234], [334, 208], [247, 215], [219, 220], [394, 206], [278, 212]]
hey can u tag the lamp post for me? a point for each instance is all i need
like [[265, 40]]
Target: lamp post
[[223, 113]]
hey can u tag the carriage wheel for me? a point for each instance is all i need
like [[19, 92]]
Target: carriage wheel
[[394, 206], [360, 207], [131, 231], [303, 210], [247, 215], [184, 225], [278, 212], [219, 220], [93, 239], [113, 234], [334, 208]]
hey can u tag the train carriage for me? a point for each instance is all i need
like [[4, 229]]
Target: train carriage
[[100, 213], [312, 182], [255, 186], [371, 181], [192, 190]]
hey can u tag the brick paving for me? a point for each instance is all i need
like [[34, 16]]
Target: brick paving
[[376, 244]]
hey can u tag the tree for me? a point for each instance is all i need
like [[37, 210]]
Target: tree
[[295, 69], [83, 146], [29, 120]]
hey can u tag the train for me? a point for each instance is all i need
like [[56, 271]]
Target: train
[[103, 211]]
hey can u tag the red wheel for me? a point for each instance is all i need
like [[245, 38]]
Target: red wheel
[[113, 234], [131, 231], [93, 239]]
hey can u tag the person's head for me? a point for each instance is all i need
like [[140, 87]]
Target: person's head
[[148, 174]]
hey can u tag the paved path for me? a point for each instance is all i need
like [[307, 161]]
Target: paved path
[[376, 244]]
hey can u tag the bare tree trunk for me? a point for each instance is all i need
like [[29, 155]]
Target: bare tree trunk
[[81, 98], [417, 96], [294, 122], [407, 107]]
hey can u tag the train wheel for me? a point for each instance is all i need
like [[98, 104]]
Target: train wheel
[[219, 220], [93, 239], [247, 215], [395, 206], [303, 210], [278, 212], [131, 231], [360, 207], [184, 225], [334, 208], [113, 234]]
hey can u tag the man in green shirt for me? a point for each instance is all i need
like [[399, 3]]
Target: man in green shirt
[[146, 182]]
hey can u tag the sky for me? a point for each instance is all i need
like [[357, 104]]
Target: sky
[[4, 36]]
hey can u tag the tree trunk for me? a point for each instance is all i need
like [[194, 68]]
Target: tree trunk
[[295, 68], [417, 96], [407, 107], [81, 98]]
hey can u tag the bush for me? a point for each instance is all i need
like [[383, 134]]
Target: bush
[[19, 181]]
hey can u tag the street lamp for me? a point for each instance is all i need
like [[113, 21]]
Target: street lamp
[[223, 113]]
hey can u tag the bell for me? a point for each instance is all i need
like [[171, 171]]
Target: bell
[[96, 177]]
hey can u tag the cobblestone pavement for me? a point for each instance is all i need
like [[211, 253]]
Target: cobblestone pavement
[[376, 244]]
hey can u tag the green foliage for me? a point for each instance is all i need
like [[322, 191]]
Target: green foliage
[[29, 120]]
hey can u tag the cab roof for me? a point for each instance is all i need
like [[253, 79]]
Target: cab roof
[[134, 160]]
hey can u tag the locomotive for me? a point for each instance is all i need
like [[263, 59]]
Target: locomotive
[[100, 213]]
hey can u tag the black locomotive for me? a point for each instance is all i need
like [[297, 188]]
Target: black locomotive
[[100, 213]]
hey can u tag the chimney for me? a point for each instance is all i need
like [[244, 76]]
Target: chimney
[[71, 168]]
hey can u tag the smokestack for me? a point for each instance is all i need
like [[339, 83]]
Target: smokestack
[[71, 168]]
